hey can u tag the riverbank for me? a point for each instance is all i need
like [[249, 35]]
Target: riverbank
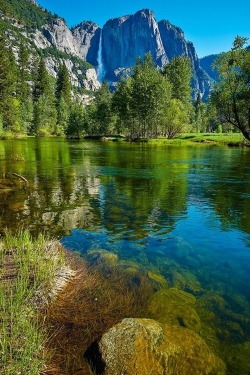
[[54, 305], [32, 271], [230, 139]]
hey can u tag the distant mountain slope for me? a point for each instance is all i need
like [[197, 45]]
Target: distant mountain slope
[[46, 34], [207, 65], [26, 12]]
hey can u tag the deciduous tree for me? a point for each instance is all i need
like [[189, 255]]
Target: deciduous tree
[[231, 95]]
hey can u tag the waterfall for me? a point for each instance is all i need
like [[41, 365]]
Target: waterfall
[[100, 66]]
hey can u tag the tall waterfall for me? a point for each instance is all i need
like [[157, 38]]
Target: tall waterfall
[[100, 66]]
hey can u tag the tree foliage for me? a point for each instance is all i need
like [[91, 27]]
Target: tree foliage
[[231, 95], [179, 73]]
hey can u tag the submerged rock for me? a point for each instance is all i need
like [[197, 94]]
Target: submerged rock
[[103, 256], [144, 346], [175, 307]]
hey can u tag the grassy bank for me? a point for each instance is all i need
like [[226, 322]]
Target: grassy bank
[[27, 270], [231, 139], [43, 332]]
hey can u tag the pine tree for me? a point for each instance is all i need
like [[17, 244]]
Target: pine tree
[[24, 89], [45, 114], [9, 104], [63, 85], [63, 98]]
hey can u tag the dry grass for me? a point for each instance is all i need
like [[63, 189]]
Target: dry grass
[[94, 301]]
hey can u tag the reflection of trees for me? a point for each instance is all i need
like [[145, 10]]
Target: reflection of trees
[[58, 198], [139, 187], [229, 190], [143, 188]]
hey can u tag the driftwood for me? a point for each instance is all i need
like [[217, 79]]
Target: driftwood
[[21, 178]]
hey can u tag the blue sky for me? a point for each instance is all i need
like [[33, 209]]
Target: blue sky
[[210, 24]]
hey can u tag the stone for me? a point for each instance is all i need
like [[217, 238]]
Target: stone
[[100, 255], [175, 307], [145, 346], [127, 37]]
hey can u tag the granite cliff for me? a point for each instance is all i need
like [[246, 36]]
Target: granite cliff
[[111, 50], [115, 48]]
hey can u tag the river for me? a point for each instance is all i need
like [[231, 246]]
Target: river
[[179, 213]]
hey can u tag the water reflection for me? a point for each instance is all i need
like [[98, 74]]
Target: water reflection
[[179, 214]]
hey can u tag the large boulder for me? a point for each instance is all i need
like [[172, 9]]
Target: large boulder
[[144, 347]]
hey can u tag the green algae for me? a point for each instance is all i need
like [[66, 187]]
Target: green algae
[[175, 307]]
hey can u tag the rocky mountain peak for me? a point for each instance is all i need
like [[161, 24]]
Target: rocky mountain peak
[[87, 36], [126, 38]]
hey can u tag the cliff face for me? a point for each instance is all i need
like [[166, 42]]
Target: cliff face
[[116, 47], [173, 40], [58, 35], [87, 35], [126, 38]]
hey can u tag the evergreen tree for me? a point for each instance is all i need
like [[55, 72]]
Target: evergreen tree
[[9, 104], [24, 89], [63, 98], [45, 114], [63, 85], [42, 82]]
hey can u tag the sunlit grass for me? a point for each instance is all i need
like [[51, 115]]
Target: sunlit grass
[[232, 139], [27, 269]]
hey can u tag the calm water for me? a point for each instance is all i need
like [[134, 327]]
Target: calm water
[[180, 213]]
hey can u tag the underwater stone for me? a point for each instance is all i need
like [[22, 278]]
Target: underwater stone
[[175, 307], [97, 256], [144, 346]]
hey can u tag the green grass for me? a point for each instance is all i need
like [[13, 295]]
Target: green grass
[[232, 139], [27, 270]]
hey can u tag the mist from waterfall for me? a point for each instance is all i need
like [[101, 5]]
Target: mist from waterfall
[[100, 65]]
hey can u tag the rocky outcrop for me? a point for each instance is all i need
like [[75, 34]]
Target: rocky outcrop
[[173, 40], [87, 36], [126, 38], [58, 35], [144, 346]]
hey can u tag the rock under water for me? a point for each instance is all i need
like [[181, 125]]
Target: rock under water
[[145, 346]]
